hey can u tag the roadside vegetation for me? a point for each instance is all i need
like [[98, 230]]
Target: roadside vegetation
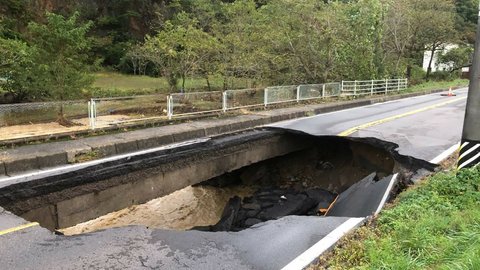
[[434, 225], [108, 84], [51, 53]]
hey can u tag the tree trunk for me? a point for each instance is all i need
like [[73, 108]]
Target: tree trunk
[[429, 69], [183, 83], [61, 117], [208, 83], [409, 70]]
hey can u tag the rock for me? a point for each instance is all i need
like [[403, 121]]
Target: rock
[[202, 228], [294, 205], [252, 221], [221, 181], [251, 206], [269, 198], [320, 195], [241, 216], [266, 204], [252, 213], [229, 215], [255, 174]]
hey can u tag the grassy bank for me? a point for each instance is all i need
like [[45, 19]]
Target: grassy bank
[[435, 225], [437, 85], [117, 84]]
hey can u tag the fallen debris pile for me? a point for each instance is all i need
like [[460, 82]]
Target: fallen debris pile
[[268, 204]]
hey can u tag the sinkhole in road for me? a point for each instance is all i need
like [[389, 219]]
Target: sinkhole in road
[[226, 184]]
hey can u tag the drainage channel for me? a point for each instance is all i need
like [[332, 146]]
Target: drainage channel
[[228, 183]]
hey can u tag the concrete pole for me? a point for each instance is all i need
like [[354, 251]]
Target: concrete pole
[[470, 145]]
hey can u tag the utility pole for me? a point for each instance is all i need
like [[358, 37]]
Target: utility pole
[[470, 145]]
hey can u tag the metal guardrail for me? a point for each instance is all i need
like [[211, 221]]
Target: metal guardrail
[[117, 110], [40, 112], [182, 104], [243, 98], [372, 87]]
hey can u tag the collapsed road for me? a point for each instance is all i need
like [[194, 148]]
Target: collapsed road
[[389, 142]]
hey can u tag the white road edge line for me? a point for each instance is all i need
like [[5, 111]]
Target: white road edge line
[[323, 245], [311, 254], [387, 193], [98, 161], [445, 154]]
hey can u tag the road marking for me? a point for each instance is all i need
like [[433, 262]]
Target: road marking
[[445, 154], [387, 193], [18, 228], [391, 118], [323, 245]]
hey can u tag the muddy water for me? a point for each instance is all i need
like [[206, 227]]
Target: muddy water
[[181, 210]]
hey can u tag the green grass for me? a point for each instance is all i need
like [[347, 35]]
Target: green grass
[[433, 226], [432, 85], [108, 84]]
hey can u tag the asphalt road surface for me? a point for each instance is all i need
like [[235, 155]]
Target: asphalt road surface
[[423, 127]]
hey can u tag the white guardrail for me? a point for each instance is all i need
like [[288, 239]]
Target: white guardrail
[[372, 87], [196, 103]]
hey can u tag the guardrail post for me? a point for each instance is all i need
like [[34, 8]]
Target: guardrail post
[[89, 105], [398, 85], [169, 107], [265, 98], [386, 86], [224, 101], [371, 90], [341, 90], [323, 90], [298, 93], [355, 89], [94, 114]]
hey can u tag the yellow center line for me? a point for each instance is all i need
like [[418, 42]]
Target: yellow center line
[[391, 118], [18, 228]]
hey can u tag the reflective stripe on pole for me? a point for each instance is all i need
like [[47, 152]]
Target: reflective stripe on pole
[[470, 145]]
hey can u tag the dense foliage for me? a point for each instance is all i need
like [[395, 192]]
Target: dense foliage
[[266, 41]]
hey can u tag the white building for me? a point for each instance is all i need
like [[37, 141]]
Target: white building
[[435, 65]]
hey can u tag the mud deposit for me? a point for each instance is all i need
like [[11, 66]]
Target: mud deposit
[[181, 210]]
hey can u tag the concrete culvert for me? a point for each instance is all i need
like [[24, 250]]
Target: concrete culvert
[[228, 183]]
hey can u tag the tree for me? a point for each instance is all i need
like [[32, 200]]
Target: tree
[[466, 19], [62, 57], [414, 26], [456, 58], [137, 56], [178, 50], [18, 70]]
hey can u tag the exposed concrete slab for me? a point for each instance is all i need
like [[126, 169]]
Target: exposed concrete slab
[[187, 132], [2, 169], [53, 160], [126, 146], [21, 165]]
